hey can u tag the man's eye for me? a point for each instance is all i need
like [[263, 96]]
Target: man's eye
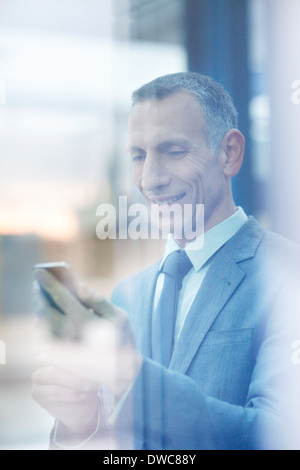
[[176, 153], [138, 158]]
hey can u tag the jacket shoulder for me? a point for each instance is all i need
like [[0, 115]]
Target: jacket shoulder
[[254, 241], [280, 251]]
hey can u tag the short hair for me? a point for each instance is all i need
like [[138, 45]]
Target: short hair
[[219, 111]]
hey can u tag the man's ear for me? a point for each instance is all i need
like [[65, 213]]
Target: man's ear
[[233, 147]]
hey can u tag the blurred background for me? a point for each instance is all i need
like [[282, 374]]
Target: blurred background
[[67, 71]]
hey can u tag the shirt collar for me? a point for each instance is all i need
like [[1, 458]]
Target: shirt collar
[[203, 247]]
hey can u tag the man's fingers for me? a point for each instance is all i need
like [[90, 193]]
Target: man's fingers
[[61, 326], [73, 308], [101, 306], [50, 375], [97, 302], [62, 297], [39, 301], [107, 311], [47, 394]]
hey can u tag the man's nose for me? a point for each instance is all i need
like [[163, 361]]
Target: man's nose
[[155, 175]]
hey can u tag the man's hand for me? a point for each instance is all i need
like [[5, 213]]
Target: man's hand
[[72, 401], [68, 377]]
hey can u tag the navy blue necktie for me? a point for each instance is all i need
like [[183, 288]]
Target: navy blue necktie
[[175, 267]]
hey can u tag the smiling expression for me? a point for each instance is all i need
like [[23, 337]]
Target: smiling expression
[[171, 162]]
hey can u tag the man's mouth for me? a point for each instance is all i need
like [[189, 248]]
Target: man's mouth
[[167, 200]]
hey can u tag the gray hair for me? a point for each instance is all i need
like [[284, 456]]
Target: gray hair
[[217, 106]]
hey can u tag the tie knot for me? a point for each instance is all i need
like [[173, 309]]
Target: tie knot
[[177, 265]]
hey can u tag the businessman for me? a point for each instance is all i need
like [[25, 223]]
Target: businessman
[[195, 351]]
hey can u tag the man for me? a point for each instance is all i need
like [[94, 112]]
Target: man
[[203, 360]]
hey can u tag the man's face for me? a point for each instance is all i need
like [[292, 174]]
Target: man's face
[[171, 162]]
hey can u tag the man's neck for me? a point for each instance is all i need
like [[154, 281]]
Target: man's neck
[[209, 223]]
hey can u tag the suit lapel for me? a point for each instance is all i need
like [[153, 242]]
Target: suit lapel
[[215, 291], [219, 284]]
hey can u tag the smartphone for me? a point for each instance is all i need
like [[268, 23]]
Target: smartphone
[[61, 271]]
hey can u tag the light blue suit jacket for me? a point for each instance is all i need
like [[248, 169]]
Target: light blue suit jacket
[[221, 390]]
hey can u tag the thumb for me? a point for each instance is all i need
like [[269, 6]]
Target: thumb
[[98, 303], [106, 310]]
